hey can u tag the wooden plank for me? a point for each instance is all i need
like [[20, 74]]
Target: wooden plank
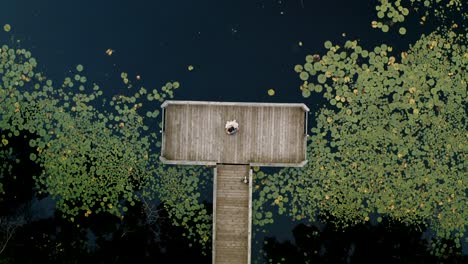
[[249, 234], [215, 184], [212, 103]]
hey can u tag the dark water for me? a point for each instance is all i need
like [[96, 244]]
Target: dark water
[[239, 50]]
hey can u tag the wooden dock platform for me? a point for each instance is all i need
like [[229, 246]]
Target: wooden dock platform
[[232, 217], [270, 134]]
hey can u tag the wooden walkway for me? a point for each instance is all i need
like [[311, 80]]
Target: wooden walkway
[[193, 133], [232, 215], [269, 134]]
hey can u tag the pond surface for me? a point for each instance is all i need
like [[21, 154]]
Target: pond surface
[[218, 51]]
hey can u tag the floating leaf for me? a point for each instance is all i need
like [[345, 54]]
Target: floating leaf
[[79, 67], [402, 31], [304, 76], [7, 27]]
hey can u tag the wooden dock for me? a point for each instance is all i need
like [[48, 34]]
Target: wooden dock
[[232, 217], [193, 133], [269, 134]]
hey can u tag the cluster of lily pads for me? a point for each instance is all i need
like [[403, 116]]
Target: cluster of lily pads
[[96, 155], [389, 142], [181, 188], [392, 12]]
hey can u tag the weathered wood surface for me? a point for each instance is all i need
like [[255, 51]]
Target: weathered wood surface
[[269, 134], [231, 240]]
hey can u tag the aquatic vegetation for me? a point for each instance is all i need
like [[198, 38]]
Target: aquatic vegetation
[[109, 52], [391, 141], [79, 68], [402, 31], [393, 12], [94, 160], [180, 188], [7, 27], [125, 80], [5, 167]]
